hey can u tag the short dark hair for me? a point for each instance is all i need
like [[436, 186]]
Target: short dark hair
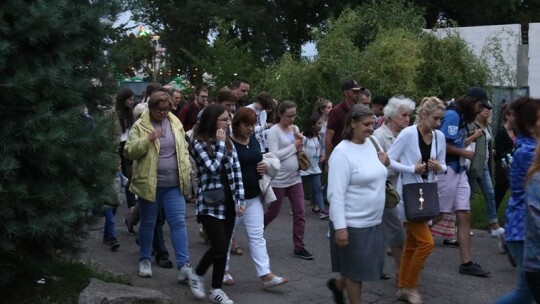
[[200, 88], [525, 109], [244, 115], [265, 100], [237, 82], [380, 100], [225, 94]]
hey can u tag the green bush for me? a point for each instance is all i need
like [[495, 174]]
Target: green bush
[[53, 168]]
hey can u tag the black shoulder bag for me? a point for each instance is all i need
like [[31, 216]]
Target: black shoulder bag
[[421, 200]]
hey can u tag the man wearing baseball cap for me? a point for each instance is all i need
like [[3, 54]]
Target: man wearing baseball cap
[[454, 189], [336, 118]]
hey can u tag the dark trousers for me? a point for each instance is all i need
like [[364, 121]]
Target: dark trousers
[[219, 233], [533, 279], [502, 184], [158, 243], [126, 166]]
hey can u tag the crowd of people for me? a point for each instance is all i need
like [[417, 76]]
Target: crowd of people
[[236, 163]]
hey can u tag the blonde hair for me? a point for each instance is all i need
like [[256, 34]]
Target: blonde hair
[[427, 106]]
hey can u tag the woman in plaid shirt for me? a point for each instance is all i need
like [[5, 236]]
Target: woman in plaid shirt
[[218, 167]]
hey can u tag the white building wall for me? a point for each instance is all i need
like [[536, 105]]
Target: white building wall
[[509, 36], [534, 59]]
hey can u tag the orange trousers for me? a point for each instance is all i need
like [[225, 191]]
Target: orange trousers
[[418, 245]]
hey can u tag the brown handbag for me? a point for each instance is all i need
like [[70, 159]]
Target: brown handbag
[[392, 196], [304, 161]]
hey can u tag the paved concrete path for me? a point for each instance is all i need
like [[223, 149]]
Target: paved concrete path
[[440, 283]]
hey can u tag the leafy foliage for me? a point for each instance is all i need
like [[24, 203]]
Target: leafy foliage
[[383, 46], [53, 169], [448, 67]]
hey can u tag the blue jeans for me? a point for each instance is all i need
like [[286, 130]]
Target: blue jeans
[[486, 186], [522, 294], [174, 209], [316, 195], [108, 230]]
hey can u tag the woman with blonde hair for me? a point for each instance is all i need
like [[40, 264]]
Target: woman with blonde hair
[[418, 154]]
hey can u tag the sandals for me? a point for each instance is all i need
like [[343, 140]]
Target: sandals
[[237, 251], [275, 281], [228, 280]]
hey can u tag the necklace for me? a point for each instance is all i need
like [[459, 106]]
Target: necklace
[[241, 141]]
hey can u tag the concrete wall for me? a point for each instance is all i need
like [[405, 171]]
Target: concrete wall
[[508, 38], [534, 59]]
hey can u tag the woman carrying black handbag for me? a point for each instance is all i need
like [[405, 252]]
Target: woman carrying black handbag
[[418, 154]]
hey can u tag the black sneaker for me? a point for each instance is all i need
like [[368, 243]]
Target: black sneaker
[[474, 270], [451, 243], [110, 241], [303, 254], [165, 263], [115, 246]]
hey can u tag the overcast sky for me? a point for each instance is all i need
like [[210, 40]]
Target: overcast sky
[[308, 49]]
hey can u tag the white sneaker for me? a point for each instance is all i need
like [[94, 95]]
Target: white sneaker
[[497, 232], [219, 296], [196, 284], [145, 269], [184, 273]]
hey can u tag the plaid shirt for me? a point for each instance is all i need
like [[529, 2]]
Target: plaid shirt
[[208, 171]]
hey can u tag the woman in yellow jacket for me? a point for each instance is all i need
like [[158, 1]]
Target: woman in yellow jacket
[[161, 168]]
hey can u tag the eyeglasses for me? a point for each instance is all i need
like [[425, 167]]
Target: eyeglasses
[[162, 110]]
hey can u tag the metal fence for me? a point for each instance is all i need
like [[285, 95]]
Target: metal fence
[[502, 95]]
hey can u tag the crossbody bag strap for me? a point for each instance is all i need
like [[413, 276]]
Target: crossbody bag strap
[[375, 144]]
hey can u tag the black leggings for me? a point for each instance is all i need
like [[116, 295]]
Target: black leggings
[[533, 279], [219, 233]]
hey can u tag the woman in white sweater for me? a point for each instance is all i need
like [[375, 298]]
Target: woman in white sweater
[[284, 141], [356, 192], [418, 153]]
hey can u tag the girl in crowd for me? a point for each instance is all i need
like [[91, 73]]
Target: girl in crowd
[[531, 255], [322, 109], [123, 122], [253, 167], [504, 146], [397, 114], [160, 175], [313, 147], [526, 114], [356, 191], [418, 154], [218, 168], [284, 141], [480, 168]]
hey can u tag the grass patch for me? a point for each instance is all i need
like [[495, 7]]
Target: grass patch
[[64, 281], [478, 210]]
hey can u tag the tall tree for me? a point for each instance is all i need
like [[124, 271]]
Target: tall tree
[[53, 168]]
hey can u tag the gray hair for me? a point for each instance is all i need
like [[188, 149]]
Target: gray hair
[[139, 110], [397, 104], [357, 112]]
